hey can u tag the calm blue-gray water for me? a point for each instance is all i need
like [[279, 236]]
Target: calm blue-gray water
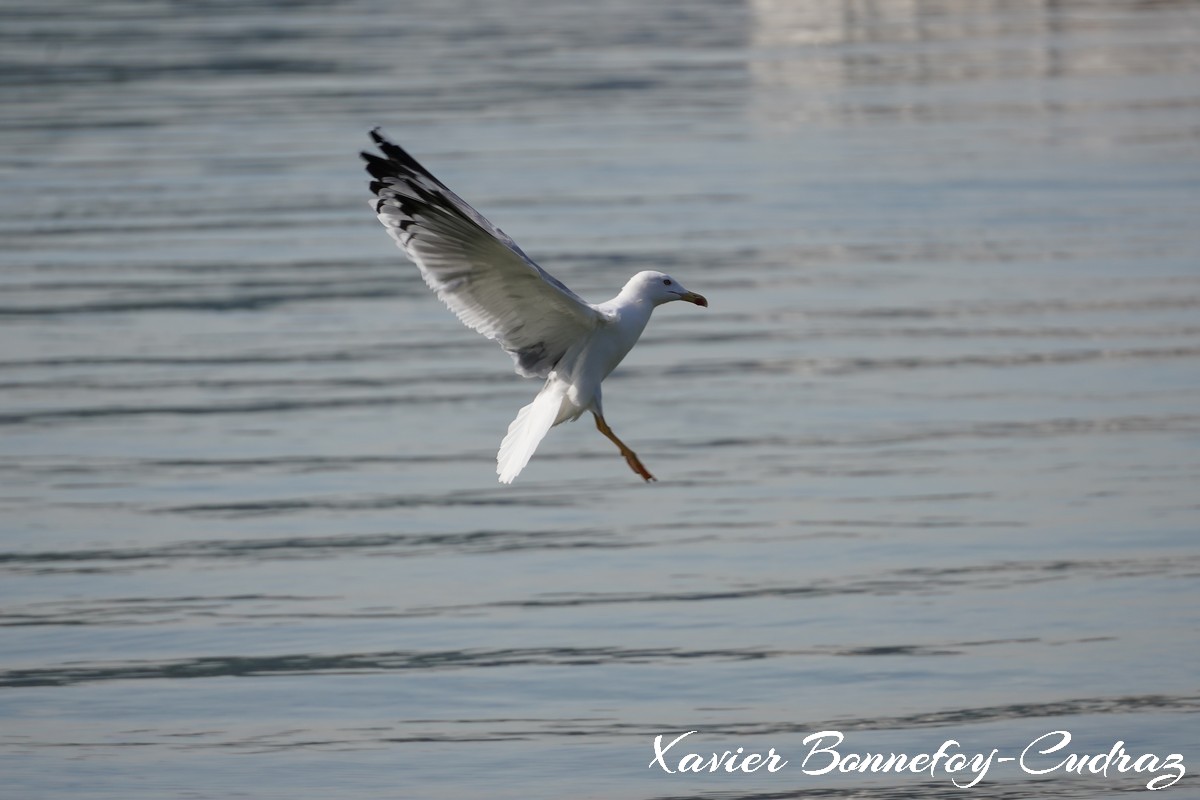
[[928, 464]]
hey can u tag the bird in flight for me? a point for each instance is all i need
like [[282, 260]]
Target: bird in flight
[[494, 288]]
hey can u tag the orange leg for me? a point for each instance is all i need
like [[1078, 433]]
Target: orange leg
[[630, 457]]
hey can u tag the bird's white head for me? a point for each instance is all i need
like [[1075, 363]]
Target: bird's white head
[[659, 288]]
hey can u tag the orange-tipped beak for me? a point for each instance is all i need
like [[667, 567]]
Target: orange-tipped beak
[[692, 297]]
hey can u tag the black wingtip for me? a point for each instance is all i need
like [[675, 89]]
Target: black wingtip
[[392, 153]]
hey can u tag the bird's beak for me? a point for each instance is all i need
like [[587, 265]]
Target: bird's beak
[[692, 297]]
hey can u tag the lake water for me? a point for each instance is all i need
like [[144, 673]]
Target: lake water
[[928, 464]]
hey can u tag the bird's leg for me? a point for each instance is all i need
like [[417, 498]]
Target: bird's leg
[[631, 458]]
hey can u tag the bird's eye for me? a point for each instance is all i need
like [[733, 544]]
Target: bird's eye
[[666, 281]]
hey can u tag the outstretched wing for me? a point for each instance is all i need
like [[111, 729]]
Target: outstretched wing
[[474, 267]]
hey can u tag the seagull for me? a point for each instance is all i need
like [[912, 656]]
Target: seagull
[[497, 290]]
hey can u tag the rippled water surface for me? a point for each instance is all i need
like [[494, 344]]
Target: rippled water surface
[[928, 463]]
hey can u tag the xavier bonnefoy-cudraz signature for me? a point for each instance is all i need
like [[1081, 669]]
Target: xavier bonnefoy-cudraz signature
[[826, 753]]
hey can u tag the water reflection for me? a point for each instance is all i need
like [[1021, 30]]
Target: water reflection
[[858, 60]]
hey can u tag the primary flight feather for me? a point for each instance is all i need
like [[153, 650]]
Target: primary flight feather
[[494, 288]]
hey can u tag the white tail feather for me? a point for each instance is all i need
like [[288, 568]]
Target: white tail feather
[[525, 432]]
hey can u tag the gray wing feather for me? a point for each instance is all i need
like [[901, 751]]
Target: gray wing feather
[[475, 268]]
